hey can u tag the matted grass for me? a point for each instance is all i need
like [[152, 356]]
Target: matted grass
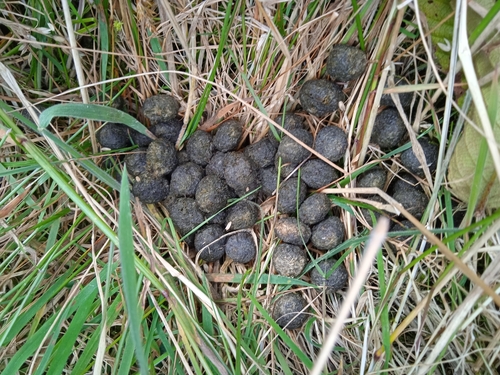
[[70, 301]]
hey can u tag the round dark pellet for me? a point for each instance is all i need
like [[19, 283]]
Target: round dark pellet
[[114, 136], [375, 177], [331, 142], [316, 173], [211, 194], [228, 135], [200, 147], [204, 237], [291, 194], [150, 189], [240, 247], [345, 63], [388, 130], [242, 215], [239, 173], [323, 274], [411, 162], [261, 153], [289, 260], [327, 234], [168, 129], [314, 209], [160, 107], [289, 311], [292, 152], [161, 157], [292, 231], [136, 162], [320, 97], [185, 179]]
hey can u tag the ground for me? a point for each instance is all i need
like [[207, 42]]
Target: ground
[[95, 281]]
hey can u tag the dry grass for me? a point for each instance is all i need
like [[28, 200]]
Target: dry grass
[[203, 318]]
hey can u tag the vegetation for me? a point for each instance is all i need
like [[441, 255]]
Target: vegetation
[[93, 281]]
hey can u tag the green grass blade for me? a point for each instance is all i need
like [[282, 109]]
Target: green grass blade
[[65, 346], [59, 178], [86, 357], [282, 334], [485, 21], [19, 359], [126, 361], [90, 112], [384, 314], [129, 274], [104, 43], [228, 20], [359, 26]]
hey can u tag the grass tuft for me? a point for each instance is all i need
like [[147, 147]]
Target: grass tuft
[[93, 281]]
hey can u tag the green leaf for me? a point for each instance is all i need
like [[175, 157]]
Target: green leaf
[[90, 112], [129, 274], [435, 12]]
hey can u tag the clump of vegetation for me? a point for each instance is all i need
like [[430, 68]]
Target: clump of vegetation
[[146, 271]]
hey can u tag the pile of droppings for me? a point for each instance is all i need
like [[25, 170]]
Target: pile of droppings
[[212, 189]]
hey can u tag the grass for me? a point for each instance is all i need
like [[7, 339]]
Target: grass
[[94, 282]]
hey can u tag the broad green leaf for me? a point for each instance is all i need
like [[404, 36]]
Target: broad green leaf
[[441, 33]]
